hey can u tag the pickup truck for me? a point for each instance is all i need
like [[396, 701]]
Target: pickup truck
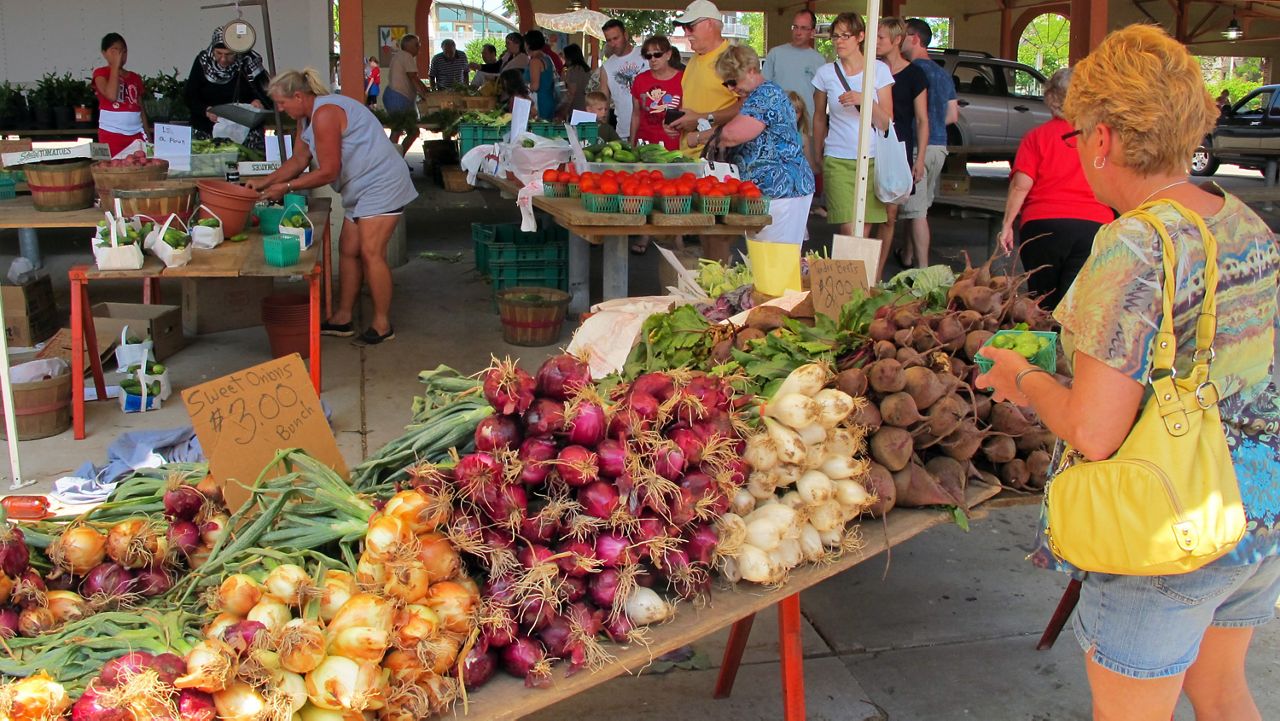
[[1247, 134]]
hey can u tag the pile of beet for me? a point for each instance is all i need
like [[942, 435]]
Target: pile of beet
[[930, 430], [585, 513]]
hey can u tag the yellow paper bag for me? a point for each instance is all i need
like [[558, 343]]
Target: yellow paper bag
[[775, 266]]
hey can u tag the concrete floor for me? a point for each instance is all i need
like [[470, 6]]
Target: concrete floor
[[944, 629]]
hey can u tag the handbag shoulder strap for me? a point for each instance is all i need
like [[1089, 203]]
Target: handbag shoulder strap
[[840, 76], [1165, 343]]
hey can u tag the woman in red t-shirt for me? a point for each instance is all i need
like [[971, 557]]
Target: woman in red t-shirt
[[654, 92], [121, 119], [1059, 212]]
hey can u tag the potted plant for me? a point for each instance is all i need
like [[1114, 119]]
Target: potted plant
[[66, 96], [13, 106], [165, 97], [42, 99], [86, 104]]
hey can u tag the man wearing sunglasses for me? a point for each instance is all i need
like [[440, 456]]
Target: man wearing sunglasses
[[792, 66], [706, 99]]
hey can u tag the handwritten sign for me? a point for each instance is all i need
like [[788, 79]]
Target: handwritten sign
[[99, 151], [244, 418], [832, 283], [173, 143], [42, 154], [851, 247], [257, 168]]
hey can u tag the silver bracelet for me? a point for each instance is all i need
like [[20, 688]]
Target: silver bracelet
[[1017, 380]]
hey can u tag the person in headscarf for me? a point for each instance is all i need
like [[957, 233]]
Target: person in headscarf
[[220, 75]]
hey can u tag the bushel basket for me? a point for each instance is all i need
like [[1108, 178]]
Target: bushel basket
[[59, 185], [156, 199], [532, 316]]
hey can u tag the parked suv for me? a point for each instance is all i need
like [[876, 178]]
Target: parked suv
[[1000, 101], [1247, 134]]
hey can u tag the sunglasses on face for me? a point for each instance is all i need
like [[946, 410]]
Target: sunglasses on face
[[653, 56]]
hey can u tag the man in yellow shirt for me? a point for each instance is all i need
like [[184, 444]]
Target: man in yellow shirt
[[707, 102], [705, 97]]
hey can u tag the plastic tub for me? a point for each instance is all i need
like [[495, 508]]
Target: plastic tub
[[281, 251]]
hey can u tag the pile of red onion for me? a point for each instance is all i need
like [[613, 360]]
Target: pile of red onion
[[140, 685], [578, 507]]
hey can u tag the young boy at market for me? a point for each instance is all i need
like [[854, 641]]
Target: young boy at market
[[598, 103], [121, 119]]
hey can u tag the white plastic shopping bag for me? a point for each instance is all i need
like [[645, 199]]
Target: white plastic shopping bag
[[893, 171], [113, 252]]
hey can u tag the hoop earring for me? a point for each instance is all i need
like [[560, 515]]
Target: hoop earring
[[1099, 162]]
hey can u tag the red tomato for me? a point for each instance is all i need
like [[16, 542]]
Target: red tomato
[[562, 176], [644, 192], [656, 175], [574, 177], [587, 185], [549, 176], [689, 177], [746, 184], [609, 186], [611, 174], [731, 185], [752, 193], [685, 187]]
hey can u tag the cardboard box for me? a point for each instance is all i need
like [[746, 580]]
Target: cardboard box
[[212, 305], [108, 335], [30, 312], [161, 323]]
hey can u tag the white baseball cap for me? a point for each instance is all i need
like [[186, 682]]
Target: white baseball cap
[[699, 10]]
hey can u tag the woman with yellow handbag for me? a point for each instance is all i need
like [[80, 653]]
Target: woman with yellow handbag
[[1167, 496]]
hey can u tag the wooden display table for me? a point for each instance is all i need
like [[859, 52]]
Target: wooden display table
[[229, 260], [612, 231], [506, 697]]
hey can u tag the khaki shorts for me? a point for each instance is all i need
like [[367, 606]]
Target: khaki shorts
[[917, 204], [839, 182]]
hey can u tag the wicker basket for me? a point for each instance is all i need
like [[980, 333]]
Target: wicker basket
[[635, 204], [480, 102], [59, 185], [43, 407], [455, 180], [677, 204], [107, 178], [443, 99], [532, 316], [157, 199], [596, 203], [714, 205]]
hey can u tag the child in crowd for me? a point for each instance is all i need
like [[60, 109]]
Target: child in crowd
[[121, 119], [512, 85], [806, 132], [598, 103]]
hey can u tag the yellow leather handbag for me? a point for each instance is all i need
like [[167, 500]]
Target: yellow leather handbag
[[1167, 502]]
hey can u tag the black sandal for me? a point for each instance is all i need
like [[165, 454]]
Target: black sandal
[[338, 330], [372, 337]]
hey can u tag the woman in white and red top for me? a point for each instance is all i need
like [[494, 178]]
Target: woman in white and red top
[[121, 119]]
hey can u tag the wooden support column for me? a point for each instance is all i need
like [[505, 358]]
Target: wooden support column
[[525, 10], [592, 51], [351, 42], [422, 28], [1088, 27], [1008, 46], [893, 8], [1182, 16]]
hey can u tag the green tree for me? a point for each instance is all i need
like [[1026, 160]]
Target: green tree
[[475, 47], [644, 23], [755, 32], [1238, 76], [1046, 43]]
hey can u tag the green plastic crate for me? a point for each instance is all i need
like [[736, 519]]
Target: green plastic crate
[[501, 240], [538, 273], [1046, 358], [8, 188], [472, 134]]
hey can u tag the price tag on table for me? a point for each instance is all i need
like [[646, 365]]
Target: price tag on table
[[173, 143], [244, 418], [832, 283]]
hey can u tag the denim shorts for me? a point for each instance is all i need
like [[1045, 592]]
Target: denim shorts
[[1150, 626]]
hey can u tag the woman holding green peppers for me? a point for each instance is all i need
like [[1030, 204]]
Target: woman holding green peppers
[[357, 160]]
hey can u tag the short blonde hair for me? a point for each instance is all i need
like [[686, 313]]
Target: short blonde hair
[[895, 27], [1055, 90], [1113, 87], [735, 61], [306, 80]]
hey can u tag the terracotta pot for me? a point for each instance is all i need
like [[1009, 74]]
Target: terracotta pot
[[232, 203]]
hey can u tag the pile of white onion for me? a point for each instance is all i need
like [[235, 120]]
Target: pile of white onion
[[806, 484]]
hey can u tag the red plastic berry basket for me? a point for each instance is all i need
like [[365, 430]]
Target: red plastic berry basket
[[636, 204], [555, 190], [714, 205], [677, 204], [596, 203]]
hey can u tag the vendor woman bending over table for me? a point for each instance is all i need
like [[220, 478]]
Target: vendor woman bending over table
[[357, 160]]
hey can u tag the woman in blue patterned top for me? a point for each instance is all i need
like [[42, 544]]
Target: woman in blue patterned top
[[767, 146]]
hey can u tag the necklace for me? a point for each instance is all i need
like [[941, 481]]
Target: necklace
[[1163, 188]]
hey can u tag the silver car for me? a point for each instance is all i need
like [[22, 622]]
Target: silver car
[[1000, 101]]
